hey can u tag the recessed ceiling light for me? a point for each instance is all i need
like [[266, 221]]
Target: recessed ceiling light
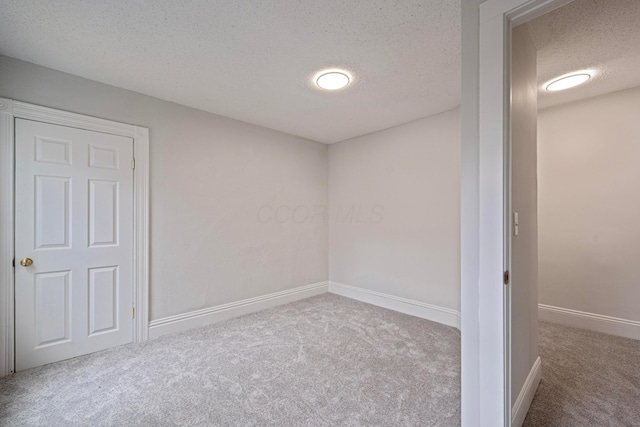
[[333, 80], [568, 82]]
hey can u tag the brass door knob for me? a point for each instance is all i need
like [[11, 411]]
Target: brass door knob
[[26, 262]]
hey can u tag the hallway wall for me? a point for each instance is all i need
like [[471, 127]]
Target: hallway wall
[[589, 207], [524, 246]]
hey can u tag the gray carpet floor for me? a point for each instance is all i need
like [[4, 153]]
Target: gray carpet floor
[[588, 379], [323, 361]]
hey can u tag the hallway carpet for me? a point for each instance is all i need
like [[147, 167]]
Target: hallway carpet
[[323, 361], [588, 379]]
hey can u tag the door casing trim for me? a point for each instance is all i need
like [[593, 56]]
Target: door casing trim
[[9, 111]]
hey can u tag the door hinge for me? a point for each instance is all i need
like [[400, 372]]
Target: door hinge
[[506, 277], [14, 263], [133, 312], [133, 163]]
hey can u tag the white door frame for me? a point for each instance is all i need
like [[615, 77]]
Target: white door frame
[[486, 394], [11, 110]]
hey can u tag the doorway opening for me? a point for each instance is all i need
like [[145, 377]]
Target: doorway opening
[[487, 383], [583, 270]]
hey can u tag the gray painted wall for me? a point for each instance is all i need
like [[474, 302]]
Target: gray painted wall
[[215, 186], [524, 249], [589, 205], [402, 187]]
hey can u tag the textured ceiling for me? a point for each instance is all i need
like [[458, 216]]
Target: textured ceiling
[[598, 35], [252, 60]]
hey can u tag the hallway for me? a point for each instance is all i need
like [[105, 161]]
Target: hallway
[[588, 379]]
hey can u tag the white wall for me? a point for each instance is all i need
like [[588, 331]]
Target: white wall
[[589, 205], [215, 186], [402, 186], [524, 246]]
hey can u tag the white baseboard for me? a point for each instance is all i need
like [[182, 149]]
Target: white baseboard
[[206, 316], [423, 310], [594, 322], [523, 402]]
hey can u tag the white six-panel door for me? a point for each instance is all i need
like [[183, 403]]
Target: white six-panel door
[[74, 220]]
